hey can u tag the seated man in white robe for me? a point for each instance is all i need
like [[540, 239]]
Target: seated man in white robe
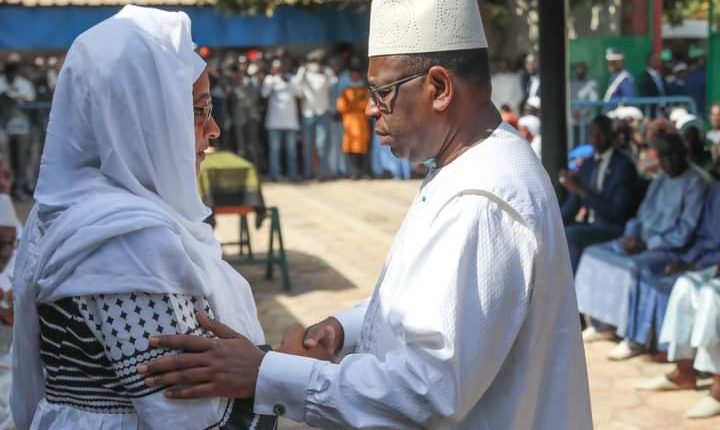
[[649, 303], [692, 331], [609, 273]]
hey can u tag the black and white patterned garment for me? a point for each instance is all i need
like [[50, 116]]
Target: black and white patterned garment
[[91, 348]]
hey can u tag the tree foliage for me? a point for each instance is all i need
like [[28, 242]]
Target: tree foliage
[[675, 10]]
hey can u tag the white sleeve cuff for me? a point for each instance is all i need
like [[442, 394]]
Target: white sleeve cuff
[[282, 384], [351, 322]]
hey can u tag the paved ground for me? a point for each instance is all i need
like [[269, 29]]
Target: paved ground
[[338, 234]]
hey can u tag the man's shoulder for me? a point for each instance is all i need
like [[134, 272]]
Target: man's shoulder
[[505, 168], [622, 158]]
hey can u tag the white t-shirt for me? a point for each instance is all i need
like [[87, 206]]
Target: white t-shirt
[[21, 91], [315, 87], [282, 113]]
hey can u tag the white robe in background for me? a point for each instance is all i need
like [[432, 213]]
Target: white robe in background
[[507, 90], [692, 323], [473, 324]]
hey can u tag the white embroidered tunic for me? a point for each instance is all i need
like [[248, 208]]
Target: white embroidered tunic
[[473, 324]]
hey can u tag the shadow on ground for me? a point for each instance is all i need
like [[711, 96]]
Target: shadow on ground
[[308, 274]]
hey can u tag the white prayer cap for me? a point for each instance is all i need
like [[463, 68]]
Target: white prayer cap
[[680, 67], [613, 54], [687, 121], [419, 26], [8, 217], [630, 113], [677, 114], [531, 122]]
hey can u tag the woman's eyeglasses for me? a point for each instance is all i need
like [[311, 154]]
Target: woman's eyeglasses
[[203, 112]]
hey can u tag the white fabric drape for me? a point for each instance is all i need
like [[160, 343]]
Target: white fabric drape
[[120, 158]]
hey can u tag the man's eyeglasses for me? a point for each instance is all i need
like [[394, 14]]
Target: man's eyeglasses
[[203, 112], [384, 96], [8, 243]]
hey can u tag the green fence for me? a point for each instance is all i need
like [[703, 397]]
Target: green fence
[[713, 56]]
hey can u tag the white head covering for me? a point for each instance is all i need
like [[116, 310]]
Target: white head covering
[[688, 121], [119, 159], [534, 102], [107, 107], [531, 122], [677, 114], [613, 54], [8, 216], [629, 113], [419, 26]]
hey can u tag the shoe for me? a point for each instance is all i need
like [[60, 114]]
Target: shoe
[[658, 384], [707, 407], [591, 334], [623, 351]]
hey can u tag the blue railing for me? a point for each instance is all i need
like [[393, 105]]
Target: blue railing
[[647, 105]]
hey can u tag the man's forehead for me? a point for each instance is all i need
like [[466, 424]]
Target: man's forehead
[[384, 67]]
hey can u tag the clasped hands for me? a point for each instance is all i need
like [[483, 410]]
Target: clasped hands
[[633, 245], [228, 364]]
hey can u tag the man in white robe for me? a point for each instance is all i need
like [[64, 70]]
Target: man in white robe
[[473, 323], [691, 330]]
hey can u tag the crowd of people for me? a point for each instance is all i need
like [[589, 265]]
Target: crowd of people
[[26, 89], [641, 218], [299, 118], [517, 92], [294, 117]]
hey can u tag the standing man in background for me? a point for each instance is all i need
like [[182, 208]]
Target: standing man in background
[[16, 90], [315, 82], [622, 84]]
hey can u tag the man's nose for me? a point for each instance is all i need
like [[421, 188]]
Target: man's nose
[[371, 109]]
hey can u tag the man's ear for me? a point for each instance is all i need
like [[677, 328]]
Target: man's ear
[[443, 90]]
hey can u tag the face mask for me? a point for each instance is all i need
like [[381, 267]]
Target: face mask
[[430, 163]]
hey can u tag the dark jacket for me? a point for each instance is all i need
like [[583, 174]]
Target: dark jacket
[[648, 88], [616, 202]]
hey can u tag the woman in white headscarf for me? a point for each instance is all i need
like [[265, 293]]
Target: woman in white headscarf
[[115, 249]]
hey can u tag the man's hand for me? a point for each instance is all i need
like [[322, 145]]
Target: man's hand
[[676, 267], [224, 367], [571, 182], [633, 245], [327, 335], [294, 342]]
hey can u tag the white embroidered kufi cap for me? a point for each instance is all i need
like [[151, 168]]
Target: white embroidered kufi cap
[[8, 217], [400, 27]]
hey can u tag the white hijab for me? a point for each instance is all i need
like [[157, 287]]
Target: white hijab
[[119, 159]]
